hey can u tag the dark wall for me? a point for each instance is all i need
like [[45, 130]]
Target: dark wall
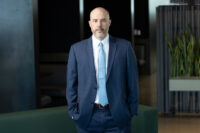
[[59, 22], [142, 18], [59, 25], [119, 13], [142, 39], [17, 69]]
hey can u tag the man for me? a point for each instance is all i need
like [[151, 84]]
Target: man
[[102, 80]]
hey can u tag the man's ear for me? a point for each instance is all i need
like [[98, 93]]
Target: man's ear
[[109, 21], [89, 22]]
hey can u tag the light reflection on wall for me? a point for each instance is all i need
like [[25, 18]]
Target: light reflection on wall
[[153, 4], [81, 10], [132, 19]]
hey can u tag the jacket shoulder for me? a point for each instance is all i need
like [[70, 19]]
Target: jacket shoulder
[[79, 44], [122, 42]]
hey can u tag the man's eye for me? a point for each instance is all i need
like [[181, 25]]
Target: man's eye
[[103, 20]]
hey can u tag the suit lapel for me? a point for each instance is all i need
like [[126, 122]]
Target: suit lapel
[[112, 50], [91, 57]]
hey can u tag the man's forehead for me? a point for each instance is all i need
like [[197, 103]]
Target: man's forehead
[[99, 18], [99, 13]]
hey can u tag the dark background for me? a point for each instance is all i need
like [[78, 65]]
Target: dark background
[[59, 22], [35, 38]]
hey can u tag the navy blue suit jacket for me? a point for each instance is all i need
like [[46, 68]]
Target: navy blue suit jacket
[[121, 81]]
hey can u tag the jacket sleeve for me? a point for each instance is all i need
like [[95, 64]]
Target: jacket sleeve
[[132, 81], [72, 84]]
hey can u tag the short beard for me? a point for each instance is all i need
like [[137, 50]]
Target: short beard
[[100, 36]]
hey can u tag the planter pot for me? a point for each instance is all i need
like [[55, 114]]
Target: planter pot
[[184, 84]]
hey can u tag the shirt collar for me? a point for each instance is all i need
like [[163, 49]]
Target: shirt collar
[[96, 41]]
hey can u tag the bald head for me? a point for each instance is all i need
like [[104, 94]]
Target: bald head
[[99, 22], [99, 10]]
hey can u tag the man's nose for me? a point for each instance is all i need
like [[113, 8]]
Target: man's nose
[[99, 23]]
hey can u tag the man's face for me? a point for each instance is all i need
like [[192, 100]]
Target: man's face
[[99, 23]]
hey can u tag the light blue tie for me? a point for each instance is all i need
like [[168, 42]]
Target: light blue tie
[[101, 79]]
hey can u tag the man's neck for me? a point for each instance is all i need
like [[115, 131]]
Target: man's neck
[[100, 39]]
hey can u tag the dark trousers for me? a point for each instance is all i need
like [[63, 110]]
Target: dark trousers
[[102, 122]]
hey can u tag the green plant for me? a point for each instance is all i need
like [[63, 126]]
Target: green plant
[[185, 55]]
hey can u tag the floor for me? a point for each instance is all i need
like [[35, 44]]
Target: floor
[[179, 124]]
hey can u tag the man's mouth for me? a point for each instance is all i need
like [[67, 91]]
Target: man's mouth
[[99, 30]]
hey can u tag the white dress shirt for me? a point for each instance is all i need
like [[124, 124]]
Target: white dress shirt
[[95, 44]]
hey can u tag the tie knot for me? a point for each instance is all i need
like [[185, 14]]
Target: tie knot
[[100, 44]]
